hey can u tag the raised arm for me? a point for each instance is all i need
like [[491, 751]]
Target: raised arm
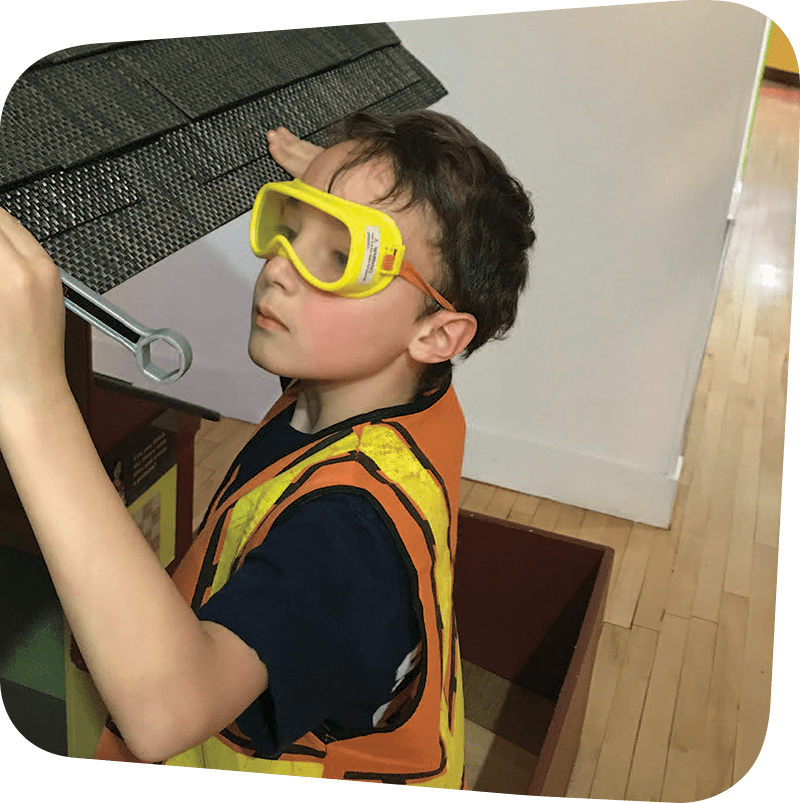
[[168, 680]]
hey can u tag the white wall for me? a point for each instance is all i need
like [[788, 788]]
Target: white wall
[[626, 123], [205, 292]]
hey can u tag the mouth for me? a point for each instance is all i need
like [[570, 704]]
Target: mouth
[[265, 319]]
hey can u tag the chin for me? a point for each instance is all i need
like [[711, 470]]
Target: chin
[[265, 363], [257, 358]]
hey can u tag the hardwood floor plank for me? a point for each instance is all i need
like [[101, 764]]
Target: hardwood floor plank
[[202, 449], [757, 667], [742, 358], [653, 597], [624, 594], [223, 455], [652, 744], [479, 497], [745, 510], [715, 771], [698, 501], [771, 469], [501, 503], [599, 528], [686, 738], [683, 583], [524, 509], [726, 346], [224, 429], [616, 753], [611, 651], [546, 515], [570, 520], [758, 381]]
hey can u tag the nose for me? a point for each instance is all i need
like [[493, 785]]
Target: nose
[[278, 270]]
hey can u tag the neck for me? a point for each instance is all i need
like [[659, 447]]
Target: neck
[[323, 403]]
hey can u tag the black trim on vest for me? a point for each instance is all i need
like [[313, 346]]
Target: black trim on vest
[[317, 446], [453, 669], [292, 749], [300, 479], [303, 750], [237, 740], [226, 482], [209, 569], [401, 777], [373, 469]]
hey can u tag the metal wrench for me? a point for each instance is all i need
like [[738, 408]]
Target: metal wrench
[[115, 323]]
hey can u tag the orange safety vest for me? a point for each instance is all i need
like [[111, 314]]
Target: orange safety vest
[[409, 459]]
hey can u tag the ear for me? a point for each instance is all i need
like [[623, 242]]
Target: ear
[[442, 336]]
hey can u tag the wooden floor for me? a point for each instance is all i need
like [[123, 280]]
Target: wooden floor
[[680, 695]]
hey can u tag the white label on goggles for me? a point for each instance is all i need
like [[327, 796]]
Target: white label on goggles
[[371, 250]]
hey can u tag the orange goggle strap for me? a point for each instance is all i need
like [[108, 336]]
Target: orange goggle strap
[[408, 272]]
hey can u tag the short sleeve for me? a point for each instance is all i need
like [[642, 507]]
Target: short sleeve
[[326, 603]]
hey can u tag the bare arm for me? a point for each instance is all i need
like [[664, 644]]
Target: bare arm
[[168, 680]]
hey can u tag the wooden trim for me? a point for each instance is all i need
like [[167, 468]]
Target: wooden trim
[[781, 76]]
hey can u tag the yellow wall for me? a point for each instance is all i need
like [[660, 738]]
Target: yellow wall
[[780, 54]]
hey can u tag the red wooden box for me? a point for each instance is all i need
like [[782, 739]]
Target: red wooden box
[[529, 607]]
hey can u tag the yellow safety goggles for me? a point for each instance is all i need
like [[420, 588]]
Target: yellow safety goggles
[[336, 245]]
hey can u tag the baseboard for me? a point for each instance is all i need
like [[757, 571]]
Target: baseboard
[[581, 480]]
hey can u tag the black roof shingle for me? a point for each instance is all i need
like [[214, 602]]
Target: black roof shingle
[[116, 155]]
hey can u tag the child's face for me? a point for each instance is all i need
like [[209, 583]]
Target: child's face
[[301, 332]]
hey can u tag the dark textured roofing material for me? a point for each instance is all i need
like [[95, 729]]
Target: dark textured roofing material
[[117, 155]]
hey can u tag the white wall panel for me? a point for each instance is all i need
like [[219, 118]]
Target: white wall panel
[[626, 123]]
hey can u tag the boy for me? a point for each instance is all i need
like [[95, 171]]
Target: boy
[[328, 648]]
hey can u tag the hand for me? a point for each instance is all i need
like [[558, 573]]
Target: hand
[[294, 155], [32, 318]]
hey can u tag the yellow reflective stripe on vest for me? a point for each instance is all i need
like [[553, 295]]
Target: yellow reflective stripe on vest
[[252, 508], [213, 753], [453, 741], [399, 464]]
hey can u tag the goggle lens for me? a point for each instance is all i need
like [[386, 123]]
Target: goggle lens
[[320, 241]]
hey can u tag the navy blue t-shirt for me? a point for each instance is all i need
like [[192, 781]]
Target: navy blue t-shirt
[[325, 601]]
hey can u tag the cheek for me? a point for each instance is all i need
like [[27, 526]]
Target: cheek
[[351, 332]]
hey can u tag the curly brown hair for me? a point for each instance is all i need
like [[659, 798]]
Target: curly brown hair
[[483, 216]]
